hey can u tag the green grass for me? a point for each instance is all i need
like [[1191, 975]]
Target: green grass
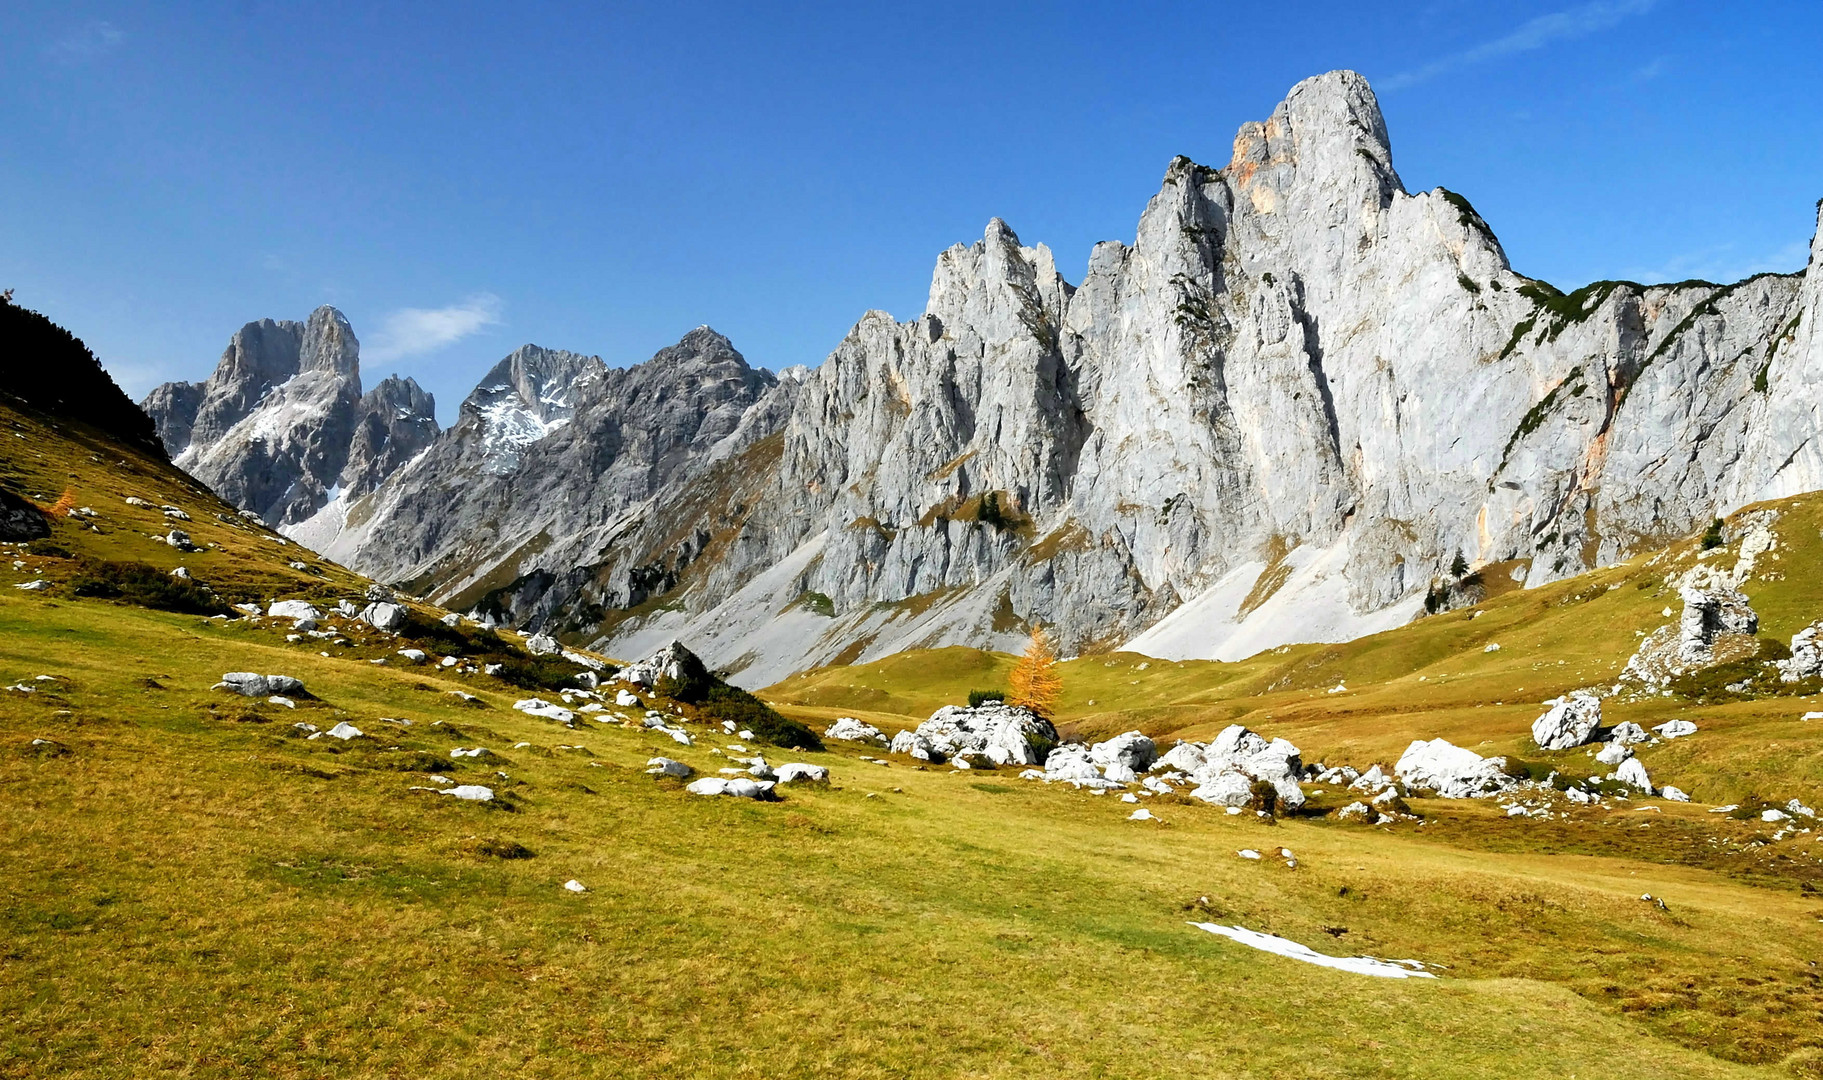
[[293, 910], [192, 888]]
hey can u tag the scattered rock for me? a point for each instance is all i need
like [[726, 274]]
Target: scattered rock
[[1707, 614], [469, 792], [575, 886], [1632, 772], [343, 731], [1571, 721], [848, 729], [672, 662], [1674, 794], [416, 656], [1142, 814], [472, 752], [1806, 655], [626, 699], [738, 788], [1675, 729], [1006, 734], [39, 585], [1133, 751], [543, 645], [664, 766], [1357, 811], [797, 772], [1613, 754], [293, 609], [1451, 771], [248, 684], [540, 707], [1224, 789], [1628, 733], [1248, 853], [383, 615]]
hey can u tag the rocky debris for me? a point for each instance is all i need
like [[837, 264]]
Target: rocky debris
[[575, 886], [1632, 772], [549, 711], [673, 662], [1185, 757], [1628, 733], [476, 752], [293, 609], [1675, 729], [248, 684], [664, 766], [1071, 764], [1238, 750], [414, 656], [383, 615], [1672, 793], [1224, 788], [1571, 721], [39, 585], [1709, 613], [343, 731], [180, 540], [1142, 814], [1004, 734], [1127, 754], [543, 645], [1357, 811], [797, 772], [1806, 655], [283, 702], [848, 729], [466, 792], [1613, 754], [626, 699], [736, 787], [1451, 771]]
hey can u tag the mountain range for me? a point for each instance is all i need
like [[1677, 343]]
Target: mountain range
[[1304, 404]]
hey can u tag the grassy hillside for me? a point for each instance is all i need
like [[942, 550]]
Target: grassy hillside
[[193, 887]]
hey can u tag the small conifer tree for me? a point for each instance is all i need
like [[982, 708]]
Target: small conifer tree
[[1035, 683]]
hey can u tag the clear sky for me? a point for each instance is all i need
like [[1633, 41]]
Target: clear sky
[[463, 178]]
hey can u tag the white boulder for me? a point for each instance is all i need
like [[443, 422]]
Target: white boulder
[[384, 616], [540, 707], [1613, 754], [1451, 771], [797, 772], [293, 609], [469, 792], [1224, 789], [626, 699], [1571, 721], [1132, 750], [1632, 772], [848, 729], [1628, 733], [1675, 729], [736, 787], [415, 656], [664, 766], [543, 645], [1007, 734], [1806, 655], [344, 731]]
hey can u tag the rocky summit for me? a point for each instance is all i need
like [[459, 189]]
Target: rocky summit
[[1303, 404], [282, 428]]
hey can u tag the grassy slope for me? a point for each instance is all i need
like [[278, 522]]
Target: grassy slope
[[189, 890], [192, 889]]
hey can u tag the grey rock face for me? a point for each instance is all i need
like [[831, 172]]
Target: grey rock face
[[1277, 415], [282, 429], [20, 520]]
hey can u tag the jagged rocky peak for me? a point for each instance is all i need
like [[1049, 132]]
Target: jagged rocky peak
[[523, 397], [281, 426]]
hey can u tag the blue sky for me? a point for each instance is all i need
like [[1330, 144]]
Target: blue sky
[[463, 178]]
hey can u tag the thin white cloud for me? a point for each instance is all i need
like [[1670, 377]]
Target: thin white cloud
[[88, 42], [1576, 22], [1723, 264], [415, 331]]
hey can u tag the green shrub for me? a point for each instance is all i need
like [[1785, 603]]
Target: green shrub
[[49, 549], [978, 698], [1263, 798], [144, 586], [536, 672], [731, 703], [1712, 537]]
